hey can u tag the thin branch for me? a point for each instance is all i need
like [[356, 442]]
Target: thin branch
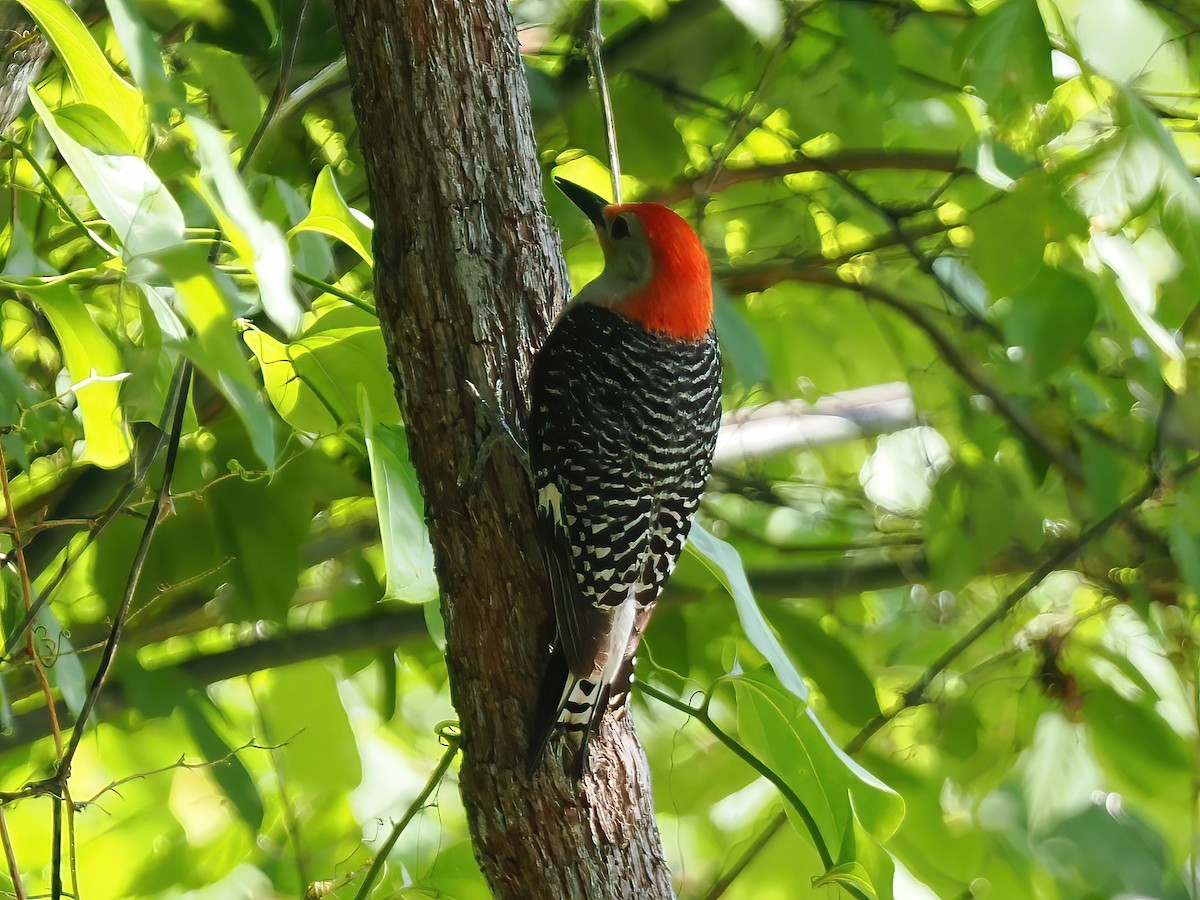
[[595, 40], [10, 856], [27, 597], [718, 888], [56, 885], [961, 363], [700, 714], [157, 512], [916, 694], [114, 509], [181, 763], [745, 122], [287, 59], [453, 741], [853, 160]]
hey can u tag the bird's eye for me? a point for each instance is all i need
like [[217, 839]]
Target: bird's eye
[[619, 228]]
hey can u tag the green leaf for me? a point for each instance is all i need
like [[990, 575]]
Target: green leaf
[[830, 663], [1011, 234], [145, 60], [1006, 57], [1139, 289], [764, 18], [1136, 741], [203, 297], [1050, 319], [232, 92], [314, 381], [302, 706], [96, 372], [93, 129], [978, 510], [848, 875], [723, 561], [131, 198], [331, 215], [234, 779], [740, 346], [873, 54], [259, 243], [407, 551], [91, 76], [784, 734]]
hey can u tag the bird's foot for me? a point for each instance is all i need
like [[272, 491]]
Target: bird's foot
[[498, 433]]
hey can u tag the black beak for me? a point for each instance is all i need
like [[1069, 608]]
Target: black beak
[[592, 204]]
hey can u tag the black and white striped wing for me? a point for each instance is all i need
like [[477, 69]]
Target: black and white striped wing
[[622, 430]]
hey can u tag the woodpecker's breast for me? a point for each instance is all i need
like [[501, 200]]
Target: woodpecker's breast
[[622, 428]]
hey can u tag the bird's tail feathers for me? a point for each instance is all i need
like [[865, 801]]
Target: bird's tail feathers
[[576, 705]]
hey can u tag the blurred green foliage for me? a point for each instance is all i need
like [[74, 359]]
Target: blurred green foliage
[[964, 639]]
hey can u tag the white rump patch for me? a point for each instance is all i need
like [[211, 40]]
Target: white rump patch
[[550, 497]]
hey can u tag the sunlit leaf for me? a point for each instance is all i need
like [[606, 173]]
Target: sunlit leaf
[[314, 381], [143, 214], [723, 561], [92, 77], [782, 732], [203, 298], [400, 506], [96, 374], [145, 59], [259, 243], [331, 215], [1006, 57]]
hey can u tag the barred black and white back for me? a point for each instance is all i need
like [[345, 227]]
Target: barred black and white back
[[622, 429]]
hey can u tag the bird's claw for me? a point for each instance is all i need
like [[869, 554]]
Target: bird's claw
[[498, 432]]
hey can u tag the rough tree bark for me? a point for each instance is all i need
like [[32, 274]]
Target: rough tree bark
[[22, 53], [468, 274]]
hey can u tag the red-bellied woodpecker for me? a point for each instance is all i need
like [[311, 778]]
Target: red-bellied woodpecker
[[626, 403]]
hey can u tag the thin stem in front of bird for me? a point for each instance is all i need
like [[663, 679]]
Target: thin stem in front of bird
[[595, 39]]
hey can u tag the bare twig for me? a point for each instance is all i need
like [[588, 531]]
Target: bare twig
[[10, 856], [157, 511], [452, 741], [700, 714], [595, 40], [26, 596], [718, 888], [916, 694], [104, 521], [181, 763], [961, 363]]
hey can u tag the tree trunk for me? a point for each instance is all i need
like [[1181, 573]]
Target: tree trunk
[[468, 273], [22, 53]]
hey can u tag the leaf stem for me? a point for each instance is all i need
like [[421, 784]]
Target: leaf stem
[[157, 511], [453, 743], [59, 198], [335, 290], [701, 715]]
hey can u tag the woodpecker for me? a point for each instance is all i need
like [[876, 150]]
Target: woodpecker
[[625, 407]]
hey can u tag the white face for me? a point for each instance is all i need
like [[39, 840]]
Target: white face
[[627, 262]]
